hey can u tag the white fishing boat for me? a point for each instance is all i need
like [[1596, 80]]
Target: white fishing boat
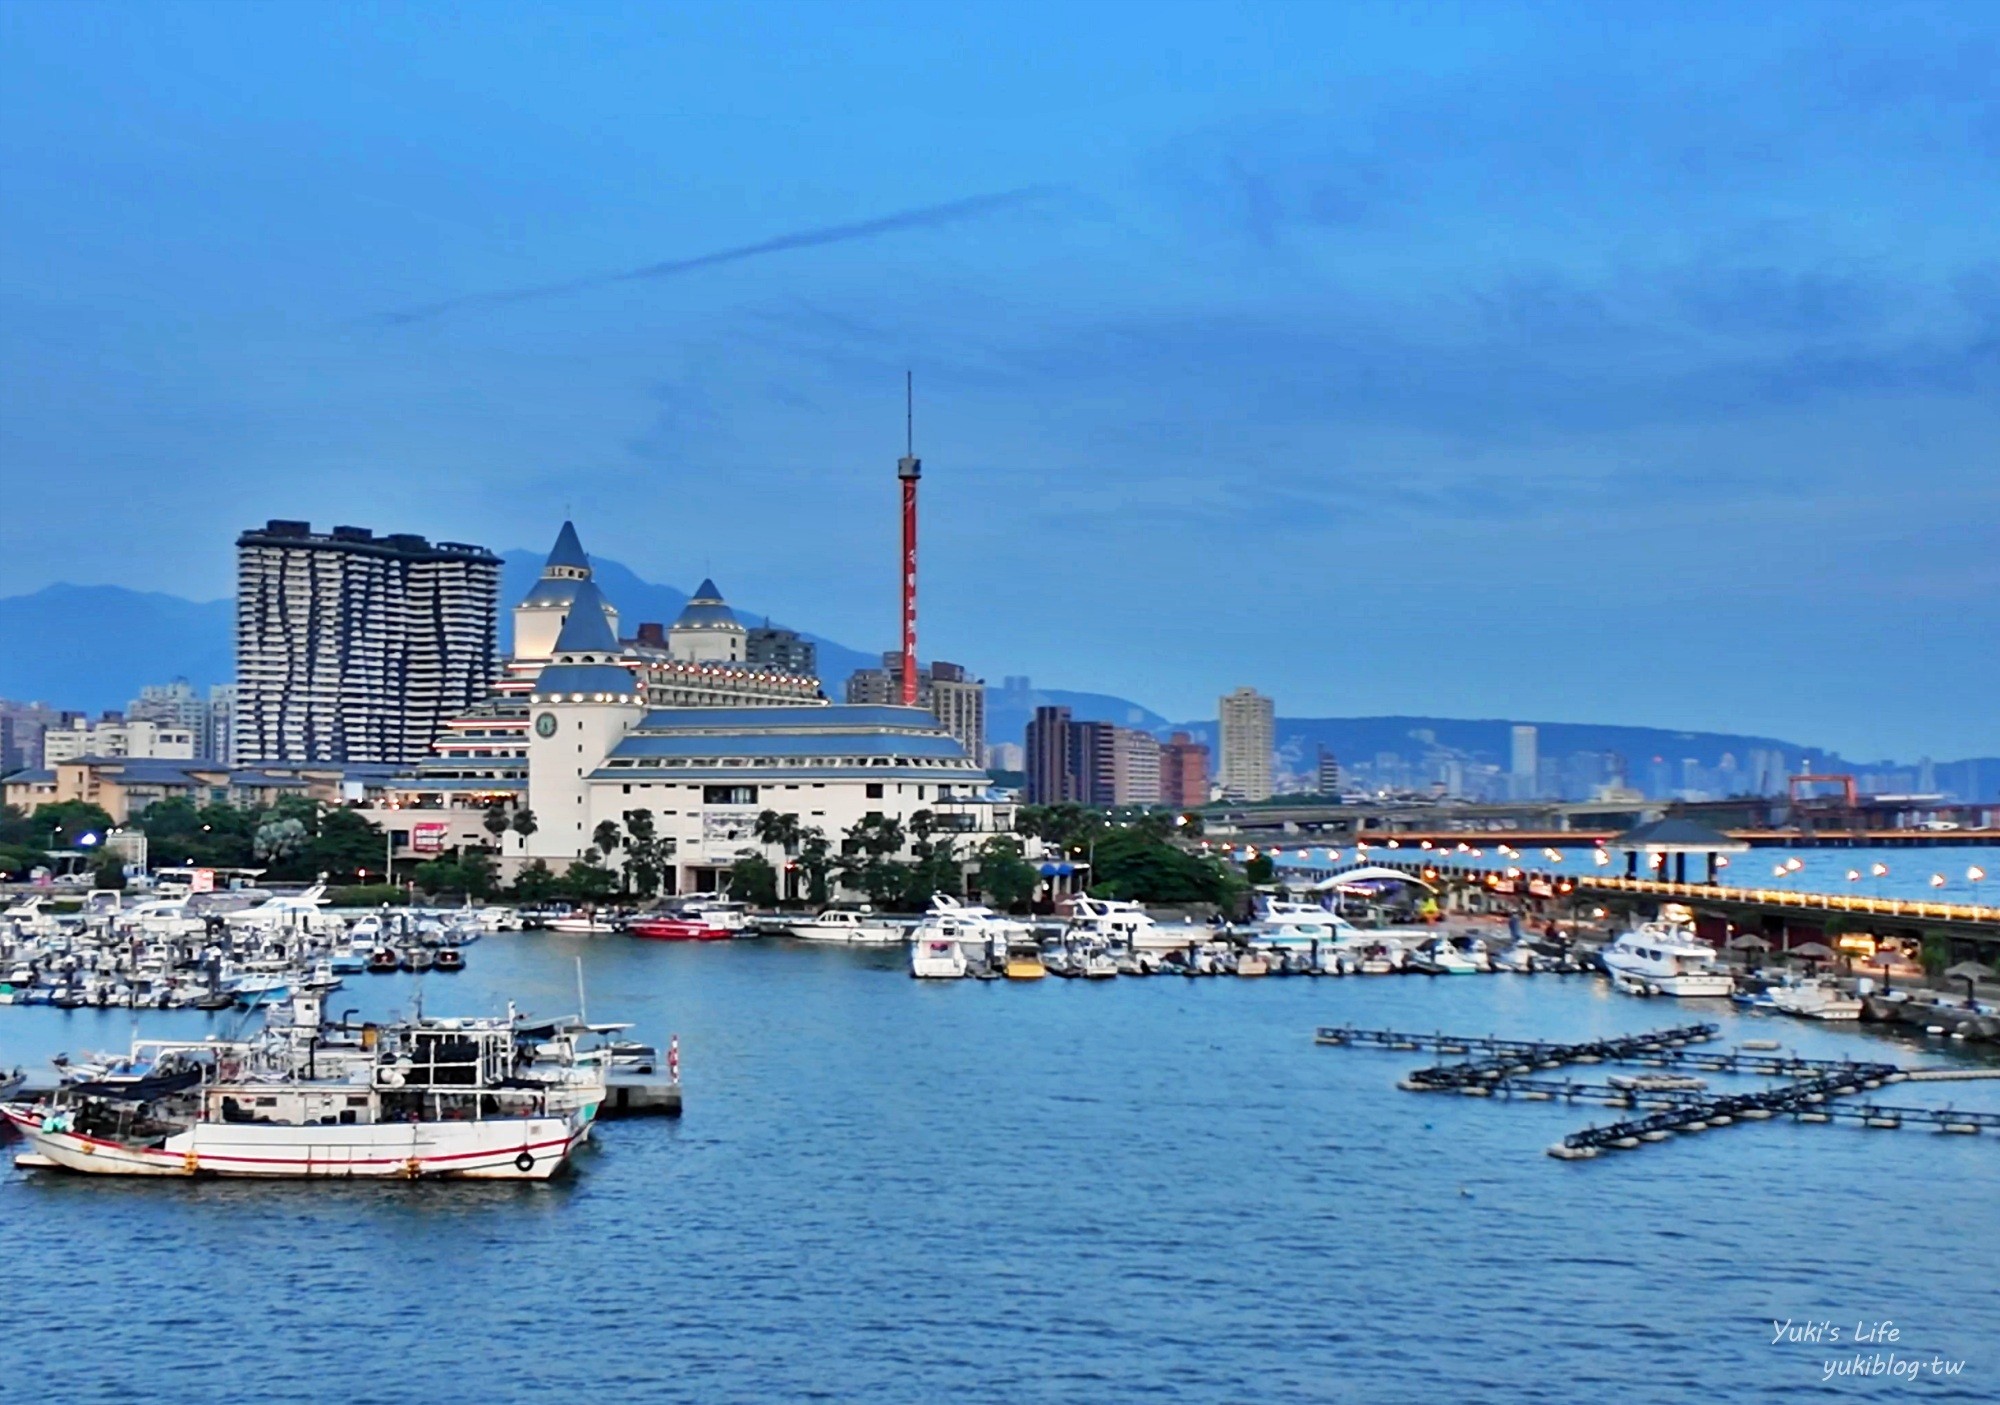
[[842, 924], [445, 1104], [1664, 956]]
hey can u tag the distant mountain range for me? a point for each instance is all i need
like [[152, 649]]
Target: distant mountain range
[[93, 647]]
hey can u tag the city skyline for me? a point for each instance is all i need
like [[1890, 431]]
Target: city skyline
[[1747, 361]]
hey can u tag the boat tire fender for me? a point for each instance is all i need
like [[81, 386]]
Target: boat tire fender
[[525, 1162]]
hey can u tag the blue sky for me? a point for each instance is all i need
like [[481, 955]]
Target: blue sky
[[1607, 363]]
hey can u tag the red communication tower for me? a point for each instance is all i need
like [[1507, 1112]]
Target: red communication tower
[[909, 469]]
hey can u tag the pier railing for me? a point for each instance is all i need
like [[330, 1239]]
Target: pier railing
[[1911, 909]]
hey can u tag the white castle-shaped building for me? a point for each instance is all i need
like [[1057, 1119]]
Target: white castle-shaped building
[[586, 727]]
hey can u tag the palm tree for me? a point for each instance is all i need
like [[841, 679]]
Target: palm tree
[[605, 837], [784, 832], [496, 821], [524, 822]]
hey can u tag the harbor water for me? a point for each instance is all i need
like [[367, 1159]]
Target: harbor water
[[889, 1190]]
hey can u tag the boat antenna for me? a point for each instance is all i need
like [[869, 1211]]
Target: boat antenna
[[581, 1016]]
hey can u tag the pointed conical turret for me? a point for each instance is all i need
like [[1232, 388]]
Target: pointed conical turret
[[545, 608], [588, 629], [567, 552], [707, 631]]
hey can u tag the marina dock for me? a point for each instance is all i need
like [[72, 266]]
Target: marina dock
[[1814, 1090]]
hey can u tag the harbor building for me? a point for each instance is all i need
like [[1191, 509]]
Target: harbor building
[[601, 747], [357, 648], [479, 758], [1248, 730], [582, 727], [1183, 772]]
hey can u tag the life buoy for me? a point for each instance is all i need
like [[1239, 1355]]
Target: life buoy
[[525, 1162]]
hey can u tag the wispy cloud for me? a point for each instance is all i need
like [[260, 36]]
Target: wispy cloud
[[951, 212]]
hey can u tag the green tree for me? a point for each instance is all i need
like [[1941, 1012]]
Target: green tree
[[535, 884], [108, 872], [784, 832], [605, 837], [278, 839], [753, 880], [588, 880], [346, 843], [60, 824], [524, 822], [936, 870], [1132, 864], [497, 821], [816, 862], [1006, 877], [1260, 870], [647, 855]]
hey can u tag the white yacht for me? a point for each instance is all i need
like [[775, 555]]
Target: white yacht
[[1815, 998], [1113, 923], [979, 931], [1294, 924], [937, 958], [843, 924], [1664, 956]]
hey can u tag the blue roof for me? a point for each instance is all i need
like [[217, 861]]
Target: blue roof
[[558, 591], [568, 551], [587, 678], [767, 719], [792, 744], [705, 610], [587, 630]]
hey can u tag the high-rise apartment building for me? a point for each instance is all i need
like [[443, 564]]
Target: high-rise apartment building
[[1183, 772], [177, 704], [1523, 774], [115, 737], [1249, 732], [1326, 775], [1051, 781], [954, 697], [1093, 762], [1135, 768], [357, 648], [780, 651], [22, 728], [958, 700]]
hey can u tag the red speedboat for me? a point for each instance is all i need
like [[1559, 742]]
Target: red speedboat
[[677, 929]]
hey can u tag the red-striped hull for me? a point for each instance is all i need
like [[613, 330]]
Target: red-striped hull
[[669, 929]]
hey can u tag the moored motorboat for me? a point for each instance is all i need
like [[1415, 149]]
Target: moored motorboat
[[1664, 957], [663, 928]]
